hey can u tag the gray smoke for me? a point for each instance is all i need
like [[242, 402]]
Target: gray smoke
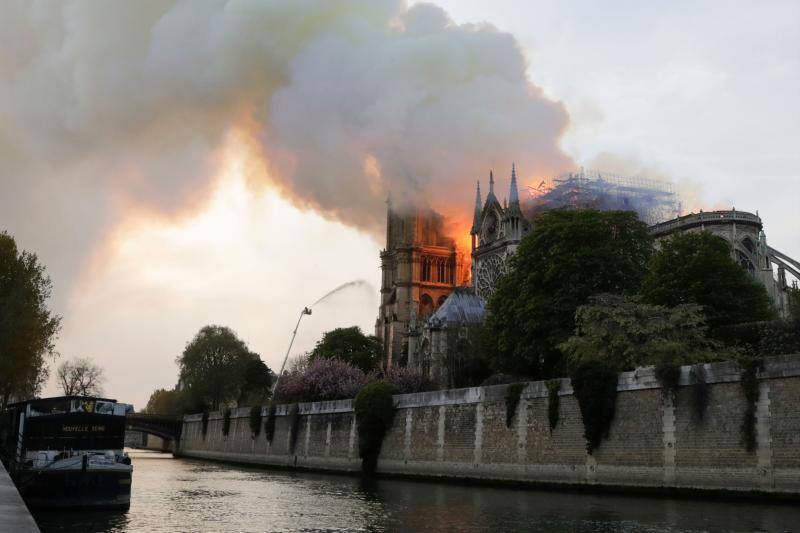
[[105, 105]]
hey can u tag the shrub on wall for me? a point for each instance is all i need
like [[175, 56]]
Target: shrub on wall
[[595, 386], [553, 400], [255, 420], [374, 408], [226, 421], [269, 425], [204, 422], [749, 382], [700, 392], [294, 426], [513, 393]]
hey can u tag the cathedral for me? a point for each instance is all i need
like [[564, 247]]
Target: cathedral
[[428, 302]]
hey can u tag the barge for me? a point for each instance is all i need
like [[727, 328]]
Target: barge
[[67, 452]]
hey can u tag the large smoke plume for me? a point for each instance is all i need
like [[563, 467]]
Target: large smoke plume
[[108, 105]]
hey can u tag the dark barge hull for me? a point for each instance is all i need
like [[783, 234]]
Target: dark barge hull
[[101, 489]]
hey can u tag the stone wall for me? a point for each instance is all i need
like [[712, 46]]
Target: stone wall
[[655, 441]]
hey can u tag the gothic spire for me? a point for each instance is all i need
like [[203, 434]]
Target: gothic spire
[[476, 218], [513, 194], [491, 198]]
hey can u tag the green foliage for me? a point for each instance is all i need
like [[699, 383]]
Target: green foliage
[[698, 268], [204, 422], [374, 408], [294, 426], [553, 400], [351, 346], [749, 383], [226, 421], [793, 297], [27, 328], [257, 383], [465, 359], [626, 334], [165, 402], [762, 339], [269, 425], [700, 392], [595, 386], [255, 420], [216, 368], [568, 257], [513, 394]]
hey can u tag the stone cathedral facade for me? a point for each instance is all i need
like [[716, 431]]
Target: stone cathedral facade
[[420, 268], [429, 305], [496, 233], [428, 302]]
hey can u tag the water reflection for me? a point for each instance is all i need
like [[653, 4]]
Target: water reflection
[[172, 495]]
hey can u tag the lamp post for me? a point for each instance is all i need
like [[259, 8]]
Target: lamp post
[[305, 311]]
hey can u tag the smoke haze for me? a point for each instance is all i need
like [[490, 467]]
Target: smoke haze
[[105, 106]]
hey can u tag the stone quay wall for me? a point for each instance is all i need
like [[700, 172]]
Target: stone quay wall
[[655, 443]]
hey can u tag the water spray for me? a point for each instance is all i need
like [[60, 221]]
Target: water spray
[[343, 286]]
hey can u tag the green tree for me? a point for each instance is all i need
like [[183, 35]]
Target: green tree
[[213, 367], [465, 359], [697, 268], [624, 334], [351, 346], [27, 327], [793, 297], [257, 385], [569, 256], [165, 402]]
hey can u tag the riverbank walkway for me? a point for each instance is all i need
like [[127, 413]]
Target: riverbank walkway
[[14, 515]]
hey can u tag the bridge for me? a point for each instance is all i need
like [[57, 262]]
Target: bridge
[[166, 427]]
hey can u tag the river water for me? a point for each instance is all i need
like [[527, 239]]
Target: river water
[[177, 495]]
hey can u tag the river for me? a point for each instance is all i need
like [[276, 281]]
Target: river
[[177, 495]]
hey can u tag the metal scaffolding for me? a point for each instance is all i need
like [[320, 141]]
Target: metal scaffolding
[[654, 201]]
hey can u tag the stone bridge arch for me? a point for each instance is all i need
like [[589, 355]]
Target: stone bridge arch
[[166, 427]]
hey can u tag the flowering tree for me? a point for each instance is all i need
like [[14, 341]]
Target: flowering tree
[[333, 379], [324, 379], [408, 380]]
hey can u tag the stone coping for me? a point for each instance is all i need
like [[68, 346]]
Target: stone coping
[[640, 379], [14, 515]]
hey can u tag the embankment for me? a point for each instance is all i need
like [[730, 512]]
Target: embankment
[[655, 442]]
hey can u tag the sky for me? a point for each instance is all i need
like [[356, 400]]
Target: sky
[[175, 164]]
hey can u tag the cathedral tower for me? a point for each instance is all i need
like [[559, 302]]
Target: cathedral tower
[[419, 269], [496, 233]]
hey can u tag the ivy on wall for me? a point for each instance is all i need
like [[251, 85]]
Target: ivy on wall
[[595, 386], [668, 375], [269, 424], [374, 408], [553, 400], [700, 392], [205, 423], [294, 426], [749, 383], [255, 421], [226, 421], [513, 394]]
